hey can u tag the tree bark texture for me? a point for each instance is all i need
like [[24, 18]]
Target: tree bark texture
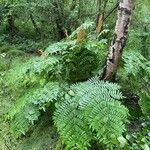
[[119, 40], [11, 26]]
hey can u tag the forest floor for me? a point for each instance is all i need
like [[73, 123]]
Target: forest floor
[[42, 136]]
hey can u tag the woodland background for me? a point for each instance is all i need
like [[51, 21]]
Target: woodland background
[[52, 53]]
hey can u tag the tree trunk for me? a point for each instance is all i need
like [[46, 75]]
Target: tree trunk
[[34, 24], [11, 26], [119, 39], [59, 17]]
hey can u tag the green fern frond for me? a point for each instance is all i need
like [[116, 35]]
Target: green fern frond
[[98, 102], [138, 69], [94, 104], [27, 109], [87, 25], [72, 125], [79, 61], [59, 47], [31, 71], [134, 62], [20, 124], [95, 86], [145, 103]]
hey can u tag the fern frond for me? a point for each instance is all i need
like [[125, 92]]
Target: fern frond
[[145, 103], [103, 113], [138, 68], [95, 104], [27, 109], [59, 47], [72, 125], [134, 62], [31, 71], [86, 25]]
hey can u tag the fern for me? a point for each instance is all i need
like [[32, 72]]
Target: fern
[[91, 106], [89, 109], [137, 70], [79, 65], [27, 110], [59, 47], [87, 25], [134, 62], [74, 62], [145, 103], [30, 72], [72, 125]]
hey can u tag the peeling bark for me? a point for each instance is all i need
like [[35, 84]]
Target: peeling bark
[[119, 40]]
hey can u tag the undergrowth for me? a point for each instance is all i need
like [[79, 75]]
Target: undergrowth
[[84, 109]]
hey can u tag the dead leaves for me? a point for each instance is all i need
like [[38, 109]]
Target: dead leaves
[[81, 35], [42, 53]]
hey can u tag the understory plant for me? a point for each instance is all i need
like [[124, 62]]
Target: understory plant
[[83, 110], [135, 70]]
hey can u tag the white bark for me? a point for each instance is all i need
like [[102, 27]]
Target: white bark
[[119, 39]]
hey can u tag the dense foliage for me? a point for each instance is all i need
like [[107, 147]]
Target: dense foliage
[[52, 54]]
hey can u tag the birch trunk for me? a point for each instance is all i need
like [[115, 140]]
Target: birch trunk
[[119, 40]]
